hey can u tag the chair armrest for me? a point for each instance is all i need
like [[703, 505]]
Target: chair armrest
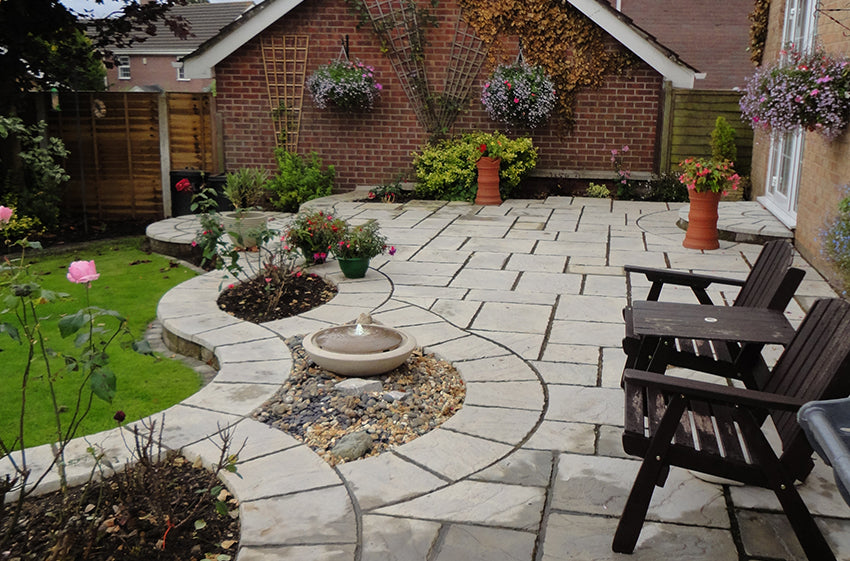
[[671, 276], [712, 392]]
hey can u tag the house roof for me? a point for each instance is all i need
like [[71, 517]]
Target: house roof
[[712, 35], [199, 63], [206, 21]]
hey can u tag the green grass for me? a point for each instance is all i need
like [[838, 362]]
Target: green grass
[[131, 282]]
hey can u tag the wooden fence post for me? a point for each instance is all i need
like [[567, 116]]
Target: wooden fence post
[[164, 155]]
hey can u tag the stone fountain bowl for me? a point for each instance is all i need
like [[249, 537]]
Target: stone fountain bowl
[[359, 350]]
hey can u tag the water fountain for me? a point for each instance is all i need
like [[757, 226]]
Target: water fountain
[[362, 348]]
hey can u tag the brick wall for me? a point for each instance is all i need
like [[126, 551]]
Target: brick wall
[[826, 165], [375, 148]]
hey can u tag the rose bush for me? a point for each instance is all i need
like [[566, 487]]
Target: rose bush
[[703, 175]]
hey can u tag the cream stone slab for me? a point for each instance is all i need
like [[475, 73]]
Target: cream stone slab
[[474, 543], [446, 242], [530, 231], [330, 552], [421, 280], [487, 260], [649, 258], [477, 502], [501, 368], [293, 470], [459, 313], [479, 295], [577, 438], [238, 333], [568, 373], [386, 478], [553, 283], [441, 451], [604, 285], [374, 282], [610, 442], [500, 245], [521, 318], [389, 538], [462, 346], [312, 517], [572, 247], [537, 263], [630, 243], [358, 299], [491, 232], [428, 335], [408, 291], [586, 333], [506, 425], [580, 354], [440, 256], [420, 268], [271, 348], [425, 303], [235, 398], [295, 325], [585, 307], [258, 438], [585, 405], [516, 395], [194, 327], [531, 468], [526, 345], [717, 261], [598, 485]]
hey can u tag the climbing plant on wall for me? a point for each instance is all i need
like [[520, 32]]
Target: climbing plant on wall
[[758, 29], [554, 35]]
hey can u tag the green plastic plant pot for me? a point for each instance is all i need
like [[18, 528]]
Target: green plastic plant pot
[[354, 268]]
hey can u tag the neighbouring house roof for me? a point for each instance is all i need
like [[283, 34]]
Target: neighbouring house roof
[[206, 21], [713, 35], [199, 63]]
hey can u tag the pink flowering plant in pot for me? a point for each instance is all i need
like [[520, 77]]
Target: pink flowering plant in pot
[[702, 175], [811, 91], [346, 85], [519, 95], [94, 331], [362, 242]]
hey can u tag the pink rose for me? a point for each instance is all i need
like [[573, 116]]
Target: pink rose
[[183, 185], [392, 250], [5, 214], [82, 272]]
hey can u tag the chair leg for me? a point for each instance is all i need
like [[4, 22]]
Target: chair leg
[[650, 473], [782, 484]]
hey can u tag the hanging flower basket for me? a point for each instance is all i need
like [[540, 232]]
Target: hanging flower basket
[[810, 91], [344, 84], [519, 95]]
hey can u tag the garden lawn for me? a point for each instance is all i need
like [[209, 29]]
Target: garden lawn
[[131, 283]]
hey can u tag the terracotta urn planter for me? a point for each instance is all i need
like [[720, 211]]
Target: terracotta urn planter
[[488, 181], [702, 221]]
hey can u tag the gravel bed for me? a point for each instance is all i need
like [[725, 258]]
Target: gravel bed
[[414, 398]]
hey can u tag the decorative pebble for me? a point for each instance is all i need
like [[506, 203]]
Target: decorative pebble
[[408, 402]]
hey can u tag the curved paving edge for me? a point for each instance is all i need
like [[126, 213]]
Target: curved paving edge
[[293, 504]]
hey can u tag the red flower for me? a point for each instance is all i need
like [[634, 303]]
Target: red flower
[[183, 185], [119, 416], [483, 148]]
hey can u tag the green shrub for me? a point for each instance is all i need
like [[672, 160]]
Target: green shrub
[[723, 141], [667, 188], [299, 180], [447, 170], [597, 191]]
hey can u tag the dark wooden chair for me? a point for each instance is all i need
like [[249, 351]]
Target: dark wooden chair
[[716, 429], [770, 284]]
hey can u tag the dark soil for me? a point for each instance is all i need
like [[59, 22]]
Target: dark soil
[[170, 519], [280, 297]]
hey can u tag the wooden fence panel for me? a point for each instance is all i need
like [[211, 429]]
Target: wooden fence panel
[[693, 115], [116, 165]]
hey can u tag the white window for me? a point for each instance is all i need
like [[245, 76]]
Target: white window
[[786, 149], [181, 74], [123, 67]]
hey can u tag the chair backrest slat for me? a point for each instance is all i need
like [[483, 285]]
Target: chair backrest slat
[[815, 365], [766, 276]]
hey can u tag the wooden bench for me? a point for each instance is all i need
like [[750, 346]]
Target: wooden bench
[[717, 430]]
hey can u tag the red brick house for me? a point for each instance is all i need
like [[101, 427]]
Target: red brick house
[[153, 64], [262, 59], [798, 176]]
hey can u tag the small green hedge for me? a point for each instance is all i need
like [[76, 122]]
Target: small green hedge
[[447, 170]]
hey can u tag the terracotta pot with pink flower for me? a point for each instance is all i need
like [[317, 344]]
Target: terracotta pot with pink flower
[[706, 180]]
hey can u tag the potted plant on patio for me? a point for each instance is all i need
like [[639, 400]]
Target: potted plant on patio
[[357, 246], [314, 234], [488, 173], [519, 95], [347, 85], [245, 189], [706, 180]]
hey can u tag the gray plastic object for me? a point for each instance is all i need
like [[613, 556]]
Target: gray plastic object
[[827, 426]]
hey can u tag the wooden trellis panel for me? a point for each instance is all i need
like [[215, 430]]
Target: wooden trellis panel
[[395, 22], [285, 63], [467, 58]]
